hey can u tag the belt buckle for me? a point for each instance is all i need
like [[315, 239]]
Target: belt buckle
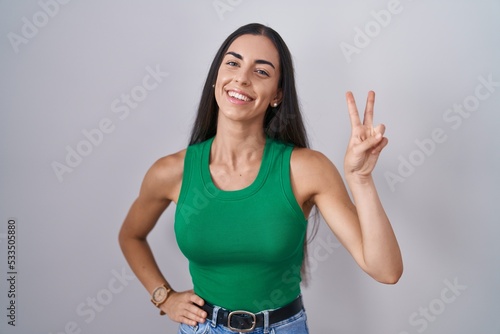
[[244, 313]]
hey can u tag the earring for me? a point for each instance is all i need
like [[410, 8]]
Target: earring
[[213, 86], [275, 104]]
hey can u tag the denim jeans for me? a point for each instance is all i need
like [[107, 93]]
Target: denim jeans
[[296, 324]]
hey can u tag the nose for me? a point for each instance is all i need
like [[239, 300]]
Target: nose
[[242, 77]]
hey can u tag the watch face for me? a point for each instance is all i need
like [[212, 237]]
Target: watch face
[[160, 294]]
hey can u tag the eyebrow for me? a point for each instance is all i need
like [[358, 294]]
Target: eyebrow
[[258, 61]]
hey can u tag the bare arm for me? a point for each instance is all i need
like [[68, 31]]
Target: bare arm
[[381, 251], [160, 187], [364, 228]]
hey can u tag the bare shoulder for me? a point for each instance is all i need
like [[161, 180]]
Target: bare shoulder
[[312, 172], [308, 162], [170, 166], [164, 178]]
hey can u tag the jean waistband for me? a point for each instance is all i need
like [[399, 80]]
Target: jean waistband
[[244, 321]]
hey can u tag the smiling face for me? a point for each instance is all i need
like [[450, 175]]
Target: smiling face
[[247, 80]]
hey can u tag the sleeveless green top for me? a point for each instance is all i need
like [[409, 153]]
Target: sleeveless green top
[[245, 247]]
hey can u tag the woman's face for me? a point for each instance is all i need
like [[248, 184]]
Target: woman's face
[[247, 80]]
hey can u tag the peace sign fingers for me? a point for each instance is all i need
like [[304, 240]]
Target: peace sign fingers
[[366, 142], [353, 110]]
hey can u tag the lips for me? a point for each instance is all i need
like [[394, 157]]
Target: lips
[[239, 96]]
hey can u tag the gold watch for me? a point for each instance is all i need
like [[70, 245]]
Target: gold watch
[[160, 295]]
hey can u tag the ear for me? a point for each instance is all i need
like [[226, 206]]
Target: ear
[[278, 97]]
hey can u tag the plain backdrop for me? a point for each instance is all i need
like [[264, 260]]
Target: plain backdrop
[[93, 92]]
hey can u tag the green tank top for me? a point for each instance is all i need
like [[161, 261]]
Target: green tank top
[[245, 247]]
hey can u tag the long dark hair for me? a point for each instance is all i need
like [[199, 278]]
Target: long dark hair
[[283, 123]]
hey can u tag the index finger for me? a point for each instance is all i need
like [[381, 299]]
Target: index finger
[[353, 110], [195, 299]]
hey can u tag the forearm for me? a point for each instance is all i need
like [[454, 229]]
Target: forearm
[[183, 306], [381, 251], [140, 258]]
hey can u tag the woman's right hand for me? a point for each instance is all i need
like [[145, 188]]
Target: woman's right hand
[[185, 307]]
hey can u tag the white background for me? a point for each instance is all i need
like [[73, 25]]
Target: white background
[[66, 74]]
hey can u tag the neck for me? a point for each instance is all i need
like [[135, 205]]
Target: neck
[[236, 143]]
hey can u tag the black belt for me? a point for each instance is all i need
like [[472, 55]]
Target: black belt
[[244, 321]]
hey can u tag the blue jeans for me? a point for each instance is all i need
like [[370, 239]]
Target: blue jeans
[[296, 324]]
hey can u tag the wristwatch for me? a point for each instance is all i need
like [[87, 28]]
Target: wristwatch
[[160, 295]]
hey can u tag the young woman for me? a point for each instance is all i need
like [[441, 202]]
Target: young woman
[[243, 190]]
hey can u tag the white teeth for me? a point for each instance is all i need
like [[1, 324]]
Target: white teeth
[[238, 96]]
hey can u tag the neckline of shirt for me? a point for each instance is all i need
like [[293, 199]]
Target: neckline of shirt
[[252, 188]]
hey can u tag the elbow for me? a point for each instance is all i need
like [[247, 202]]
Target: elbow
[[127, 238], [390, 278], [386, 273], [122, 241], [124, 238]]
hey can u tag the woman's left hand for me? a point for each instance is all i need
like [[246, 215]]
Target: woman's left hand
[[366, 141]]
